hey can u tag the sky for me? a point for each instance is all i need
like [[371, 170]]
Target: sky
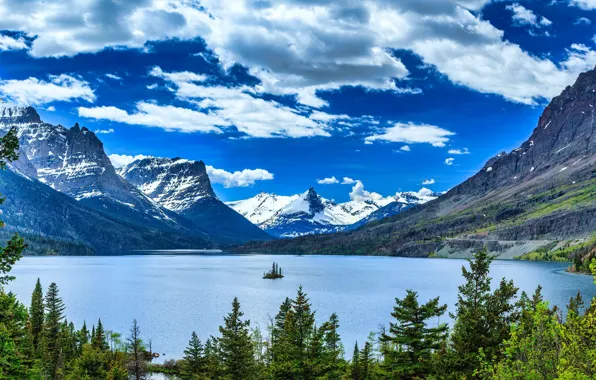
[[359, 99]]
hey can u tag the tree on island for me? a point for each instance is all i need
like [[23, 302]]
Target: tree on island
[[274, 273]]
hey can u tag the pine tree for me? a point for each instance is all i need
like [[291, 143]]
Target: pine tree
[[235, 345], [483, 317], [333, 350], [410, 341], [137, 367], [194, 358], [99, 339], [83, 336], [366, 361], [36, 316], [9, 255], [355, 369], [52, 330], [212, 358]]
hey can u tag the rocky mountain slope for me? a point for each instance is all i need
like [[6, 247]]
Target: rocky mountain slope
[[73, 162], [309, 213], [183, 186], [545, 190]]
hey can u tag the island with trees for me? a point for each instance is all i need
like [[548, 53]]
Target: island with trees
[[274, 273]]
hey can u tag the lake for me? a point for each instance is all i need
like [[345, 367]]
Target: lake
[[172, 295]]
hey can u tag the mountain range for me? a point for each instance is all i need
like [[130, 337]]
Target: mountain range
[[309, 213], [539, 197], [64, 185]]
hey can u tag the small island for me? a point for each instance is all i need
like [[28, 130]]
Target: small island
[[274, 273]]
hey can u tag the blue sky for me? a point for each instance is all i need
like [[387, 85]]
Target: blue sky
[[278, 96]]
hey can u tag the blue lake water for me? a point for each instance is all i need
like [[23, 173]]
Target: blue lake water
[[172, 295]]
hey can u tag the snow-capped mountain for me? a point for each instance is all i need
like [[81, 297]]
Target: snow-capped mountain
[[262, 206], [74, 162], [309, 213], [183, 186]]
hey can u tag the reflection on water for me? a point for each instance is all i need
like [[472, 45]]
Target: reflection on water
[[172, 295]]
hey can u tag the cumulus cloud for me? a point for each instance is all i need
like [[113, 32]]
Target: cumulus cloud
[[104, 131], [359, 194], [524, 16], [305, 51], [120, 160], [10, 43], [405, 148], [449, 161], [34, 91], [51, 109], [244, 178], [584, 4], [327, 181], [458, 151], [428, 181], [414, 134], [347, 181]]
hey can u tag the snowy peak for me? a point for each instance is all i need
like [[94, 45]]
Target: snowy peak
[[175, 183], [309, 213], [262, 206], [10, 114]]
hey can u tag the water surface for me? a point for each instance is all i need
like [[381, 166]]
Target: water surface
[[172, 295]]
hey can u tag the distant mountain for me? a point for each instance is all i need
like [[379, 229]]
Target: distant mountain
[[309, 213], [537, 195], [73, 162], [402, 202], [55, 223], [54, 159], [183, 186]]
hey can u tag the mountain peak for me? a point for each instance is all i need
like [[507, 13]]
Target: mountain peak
[[12, 114]]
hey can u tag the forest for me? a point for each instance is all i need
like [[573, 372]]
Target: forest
[[496, 333]]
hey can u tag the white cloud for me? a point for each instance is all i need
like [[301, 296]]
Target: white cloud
[[405, 148], [113, 76], [307, 48], [120, 160], [583, 20], [177, 77], [524, 16], [51, 109], [584, 4], [327, 181], [368, 142], [34, 91], [10, 43], [104, 131], [414, 134], [151, 115], [458, 151], [347, 181], [244, 178], [428, 181], [359, 194], [449, 161]]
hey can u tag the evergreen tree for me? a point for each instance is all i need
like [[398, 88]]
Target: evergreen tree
[[36, 316], [212, 358], [366, 361], [52, 330], [235, 345], [410, 341], [333, 348], [83, 336], [194, 358], [355, 369], [137, 366], [99, 338], [482, 319]]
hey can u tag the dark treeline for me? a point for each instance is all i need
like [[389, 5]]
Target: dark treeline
[[495, 334]]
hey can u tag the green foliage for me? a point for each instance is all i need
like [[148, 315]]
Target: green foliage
[[274, 273], [194, 363], [54, 317], [411, 341], [36, 315], [482, 319], [235, 345], [137, 366]]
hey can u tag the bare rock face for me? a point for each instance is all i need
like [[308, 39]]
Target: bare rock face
[[563, 141], [175, 183]]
